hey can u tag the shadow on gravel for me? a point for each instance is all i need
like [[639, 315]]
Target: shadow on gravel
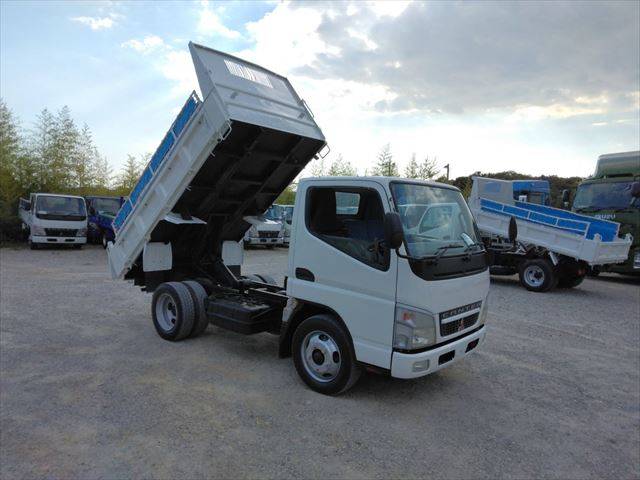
[[621, 279]]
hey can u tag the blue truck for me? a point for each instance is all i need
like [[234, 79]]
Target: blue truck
[[102, 211]]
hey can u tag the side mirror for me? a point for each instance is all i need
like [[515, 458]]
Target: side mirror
[[393, 231], [513, 230], [635, 189]]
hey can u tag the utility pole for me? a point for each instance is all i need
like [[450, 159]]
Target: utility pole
[[447, 167]]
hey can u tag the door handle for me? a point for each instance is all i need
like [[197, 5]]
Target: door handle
[[304, 274]]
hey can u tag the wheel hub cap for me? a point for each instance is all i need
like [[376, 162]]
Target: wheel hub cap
[[321, 356], [166, 312], [534, 276]]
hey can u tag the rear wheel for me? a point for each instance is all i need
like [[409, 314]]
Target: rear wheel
[[104, 240], [323, 355], [570, 281], [173, 311], [199, 297], [538, 275]]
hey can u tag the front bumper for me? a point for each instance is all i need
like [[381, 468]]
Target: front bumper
[[264, 241], [59, 240], [413, 365]]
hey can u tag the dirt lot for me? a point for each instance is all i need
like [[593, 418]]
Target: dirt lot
[[88, 390]]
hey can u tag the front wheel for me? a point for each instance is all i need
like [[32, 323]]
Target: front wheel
[[104, 241], [323, 355], [538, 275]]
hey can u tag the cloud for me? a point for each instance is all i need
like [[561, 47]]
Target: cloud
[[96, 23], [459, 57], [209, 23], [147, 45]]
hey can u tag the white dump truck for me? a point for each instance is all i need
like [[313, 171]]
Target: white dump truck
[[361, 291], [51, 219], [554, 247]]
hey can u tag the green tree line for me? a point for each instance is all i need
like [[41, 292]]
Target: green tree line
[[54, 155]]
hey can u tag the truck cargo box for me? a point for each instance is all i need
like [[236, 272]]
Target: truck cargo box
[[225, 157]]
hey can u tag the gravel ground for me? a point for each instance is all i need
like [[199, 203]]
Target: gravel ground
[[88, 390]]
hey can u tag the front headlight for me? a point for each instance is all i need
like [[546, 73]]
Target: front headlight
[[483, 312], [413, 329], [81, 232], [38, 231]]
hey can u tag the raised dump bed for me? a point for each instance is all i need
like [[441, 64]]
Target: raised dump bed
[[225, 157], [589, 239]]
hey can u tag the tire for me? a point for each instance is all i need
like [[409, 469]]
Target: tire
[[199, 297], [593, 271], [103, 240], [538, 275], [322, 374], [173, 311], [570, 282], [206, 283]]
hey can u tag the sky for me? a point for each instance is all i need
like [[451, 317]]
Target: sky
[[540, 88]]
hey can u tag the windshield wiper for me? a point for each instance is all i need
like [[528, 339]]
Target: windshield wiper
[[442, 250]]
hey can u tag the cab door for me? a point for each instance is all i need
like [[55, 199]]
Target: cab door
[[339, 260]]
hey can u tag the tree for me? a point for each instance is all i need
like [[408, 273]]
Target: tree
[[128, 175], [385, 165], [341, 168], [318, 168], [288, 196], [412, 170], [10, 152], [102, 174], [428, 168]]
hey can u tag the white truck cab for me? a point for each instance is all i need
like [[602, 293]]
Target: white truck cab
[[263, 231], [54, 219], [408, 311], [362, 290]]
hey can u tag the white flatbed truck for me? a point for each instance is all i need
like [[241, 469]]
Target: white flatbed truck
[[360, 292]]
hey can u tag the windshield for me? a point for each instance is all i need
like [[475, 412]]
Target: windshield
[[60, 208], [603, 196], [436, 220], [110, 206]]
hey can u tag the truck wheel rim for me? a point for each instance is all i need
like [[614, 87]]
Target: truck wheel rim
[[321, 356], [534, 276], [166, 312]]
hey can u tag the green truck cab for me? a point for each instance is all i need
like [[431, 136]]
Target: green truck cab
[[612, 193]]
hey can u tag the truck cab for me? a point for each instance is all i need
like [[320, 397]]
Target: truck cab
[[537, 192], [408, 311], [609, 195], [52, 219], [102, 211]]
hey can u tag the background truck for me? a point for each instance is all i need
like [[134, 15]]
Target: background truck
[[102, 211], [612, 194], [554, 247], [359, 291], [54, 219], [264, 230], [285, 214]]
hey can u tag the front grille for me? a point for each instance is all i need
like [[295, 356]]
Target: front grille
[[458, 325], [268, 234], [60, 232]]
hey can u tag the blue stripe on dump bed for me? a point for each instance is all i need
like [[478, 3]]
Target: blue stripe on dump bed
[[125, 210], [156, 160], [184, 116], [608, 231], [555, 218], [145, 178]]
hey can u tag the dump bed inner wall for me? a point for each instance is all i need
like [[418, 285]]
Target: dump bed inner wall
[[242, 176]]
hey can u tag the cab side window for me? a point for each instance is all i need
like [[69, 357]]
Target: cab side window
[[350, 220]]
